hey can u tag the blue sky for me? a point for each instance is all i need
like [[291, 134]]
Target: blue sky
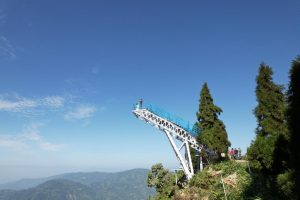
[[70, 72]]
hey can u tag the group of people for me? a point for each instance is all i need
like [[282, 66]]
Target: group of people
[[235, 153]]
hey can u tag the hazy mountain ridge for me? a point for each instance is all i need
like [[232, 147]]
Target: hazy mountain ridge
[[86, 186], [57, 189], [81, 177]]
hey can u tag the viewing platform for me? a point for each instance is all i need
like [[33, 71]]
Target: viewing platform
[[191, 128]]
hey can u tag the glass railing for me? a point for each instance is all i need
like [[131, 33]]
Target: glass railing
[[191, 128]]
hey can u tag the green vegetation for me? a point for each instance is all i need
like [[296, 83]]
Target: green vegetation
[[273, 157], [274, 154], [213, 132], [271, 125], [163, 181], [289, 181], [206, 184]]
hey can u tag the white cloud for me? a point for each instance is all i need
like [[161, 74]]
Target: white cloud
[[24, 105], [6, 48], [37, 107], [32, 133], [13, 143], [81, 112], [29, 138], [18, 105], [53, 101]]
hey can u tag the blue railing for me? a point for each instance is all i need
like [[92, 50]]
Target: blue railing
[[191, 128]]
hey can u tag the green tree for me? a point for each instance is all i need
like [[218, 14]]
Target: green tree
[[163, 181], [271, 131], [213, 132], [293, 116]]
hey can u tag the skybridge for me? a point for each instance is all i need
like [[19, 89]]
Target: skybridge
[[175, 128]]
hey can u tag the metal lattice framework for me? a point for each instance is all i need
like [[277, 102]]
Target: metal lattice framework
[[173, 131]]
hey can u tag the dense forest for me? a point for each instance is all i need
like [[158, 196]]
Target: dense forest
[[270, 168]]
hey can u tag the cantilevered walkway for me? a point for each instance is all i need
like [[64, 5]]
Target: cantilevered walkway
[[174, 128]]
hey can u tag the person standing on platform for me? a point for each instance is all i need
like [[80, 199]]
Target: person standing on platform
[[141, 103], [232, 153], [235, 153], [239, 153]]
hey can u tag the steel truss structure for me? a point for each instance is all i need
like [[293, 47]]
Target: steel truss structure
[[173, 131]]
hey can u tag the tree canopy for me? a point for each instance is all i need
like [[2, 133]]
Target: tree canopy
[[293, 116], [271, 123], [213, 132]]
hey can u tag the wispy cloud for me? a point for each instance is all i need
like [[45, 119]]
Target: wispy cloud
[[7, 50], [29, 138], [32, 133], [81, 112], [14, 143], [17, 105], [53, 101], [63, 106], [25, 105]]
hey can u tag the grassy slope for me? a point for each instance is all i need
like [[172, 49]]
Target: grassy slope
[[208, 184]]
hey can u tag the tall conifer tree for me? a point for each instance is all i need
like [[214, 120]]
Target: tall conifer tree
[[293, 118], [213, 132], [271, 125]]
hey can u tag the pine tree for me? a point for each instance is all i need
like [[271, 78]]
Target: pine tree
[[213, 132], [271, 131], [293, 118]]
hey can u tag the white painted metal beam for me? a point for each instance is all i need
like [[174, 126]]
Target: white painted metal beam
[[172, 131]]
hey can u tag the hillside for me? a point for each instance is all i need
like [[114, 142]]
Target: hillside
[[129, 185], [54, 189], [124, 185], [227, 179], [208, 184]]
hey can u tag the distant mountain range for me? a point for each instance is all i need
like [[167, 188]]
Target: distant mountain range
[[127, 185]]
